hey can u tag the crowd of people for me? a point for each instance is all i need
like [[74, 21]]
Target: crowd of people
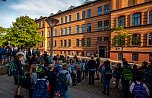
[[45, 78]]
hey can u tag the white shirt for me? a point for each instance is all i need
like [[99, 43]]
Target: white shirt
[[133, 84]]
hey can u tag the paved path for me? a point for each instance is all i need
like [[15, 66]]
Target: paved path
[[7, 90]]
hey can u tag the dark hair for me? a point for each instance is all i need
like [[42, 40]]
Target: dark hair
[[125, 63], [145, 63], [134, 66], [107, 63], [119, 65], [92, 57], [42, 74], [138, 77], [19, 56]]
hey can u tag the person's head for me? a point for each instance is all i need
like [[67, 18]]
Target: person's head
[[43, 62], [124, 60], [51, 67], [42, 74], [119, 65], [64, 66], [34, 67], [92, 57], [20, 57], [138, 77], [145, 64], [134, 66], [107, 63], [125, 63]]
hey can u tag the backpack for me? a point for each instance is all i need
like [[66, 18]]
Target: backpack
[[62, 83], [108, 73], [12, 69], [139, 91], [26, 82], [40, 89], [73, 68], [127, 74], [80, 67], [58, 68]]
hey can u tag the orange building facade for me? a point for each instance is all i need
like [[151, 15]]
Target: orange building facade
[[85, 30]]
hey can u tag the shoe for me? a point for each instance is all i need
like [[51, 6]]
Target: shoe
[[103, 92], [97, 79]]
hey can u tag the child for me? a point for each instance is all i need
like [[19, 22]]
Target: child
[[139, 89]]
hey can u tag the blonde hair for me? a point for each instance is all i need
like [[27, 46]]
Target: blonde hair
[[51, 66]]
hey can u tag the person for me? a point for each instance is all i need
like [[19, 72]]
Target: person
[[97, 67], [33, 79], [74, 69], [134, 72], [126, 77], [40, 88], [139, 89], [83, 69], [18, 75], [64, 82], [92, 68], [52, 79], [117, 75], [107, 75], [38, 52], [79, 72]]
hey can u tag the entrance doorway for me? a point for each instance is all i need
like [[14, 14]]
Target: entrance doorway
[[102, 51]]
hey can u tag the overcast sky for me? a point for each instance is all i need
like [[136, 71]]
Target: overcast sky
[[11, 9]]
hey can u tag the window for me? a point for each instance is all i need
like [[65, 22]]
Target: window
[[89, 13], [120, 56], [78, 16], [69, 30], [65, 43], [42, 33], [54, 33], [106, 39], [83, 28], [106, 9], [61, 43], [88, 42], [136, 19], [150, 17], [42, 24], [70, 18], [61, 20], [61, 31], [54, 43], [65, 31], [100, 26], [83, 15], [60, 52], [83, 42], [106, 25], [150, 39], [136, 39], [68, 52], [66, 19], [89, 27], [77, 42], [99, 39], [150, 57], [135, 56], [69, 43], [99, 10], [121, 21], [77, 31]]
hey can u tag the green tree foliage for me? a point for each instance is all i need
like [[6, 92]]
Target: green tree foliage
[[2, 35], [122, 37], [24, 32]]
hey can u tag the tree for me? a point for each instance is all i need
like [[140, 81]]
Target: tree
[[121, 37], [24, 33], [2, 35]]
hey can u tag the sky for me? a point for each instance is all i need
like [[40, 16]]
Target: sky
[[11, 9]]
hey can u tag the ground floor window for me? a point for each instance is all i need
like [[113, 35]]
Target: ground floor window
[[120, 56], [60, 52], [150, 57], [68, 52], [82, 54], [135, 56]]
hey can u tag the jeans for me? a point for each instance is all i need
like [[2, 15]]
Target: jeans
[[91, 77], [73, 79], [125, 88], [79, 76], [106, 86], [67, 93]]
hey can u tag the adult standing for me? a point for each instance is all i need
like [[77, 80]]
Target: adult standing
[[97, 67], [92, 68]]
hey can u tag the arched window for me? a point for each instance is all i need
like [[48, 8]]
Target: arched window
[[136, 39], [136, 19], [150, 17]]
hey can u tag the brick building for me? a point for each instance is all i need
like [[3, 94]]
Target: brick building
[[85, 30]]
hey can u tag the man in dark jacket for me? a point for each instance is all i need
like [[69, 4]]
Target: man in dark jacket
[[92, 68]]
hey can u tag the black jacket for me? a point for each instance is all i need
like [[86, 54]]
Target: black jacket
[[91, 64]]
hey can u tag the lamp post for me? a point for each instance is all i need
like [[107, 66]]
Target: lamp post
[[51, 22]]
